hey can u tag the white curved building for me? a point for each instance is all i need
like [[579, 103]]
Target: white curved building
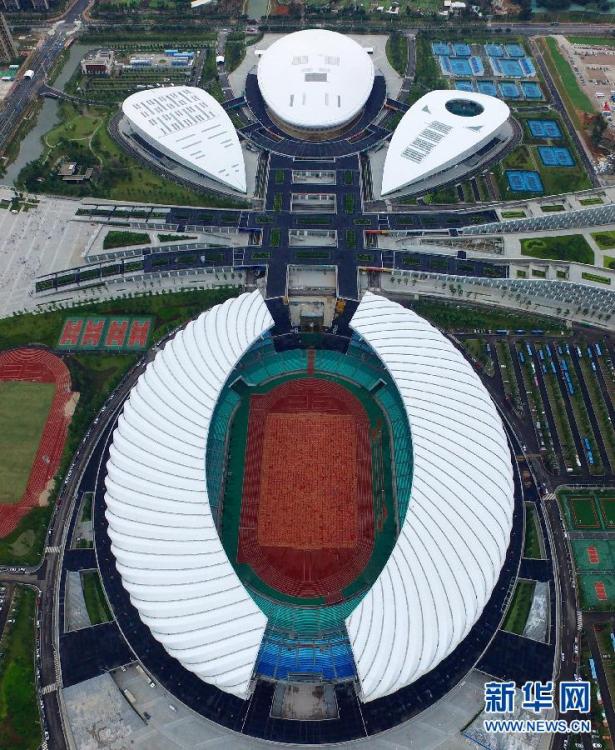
[[189, 126], [439, 132], [446, 560], [315, 80], [454, 539], [163, 536]]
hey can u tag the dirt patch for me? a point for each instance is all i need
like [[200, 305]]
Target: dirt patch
[[43, 498], [71, 405]]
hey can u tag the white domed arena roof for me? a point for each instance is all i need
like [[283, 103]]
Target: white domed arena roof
[[189, 126], [315, 79], [443, 567], [441, 129]]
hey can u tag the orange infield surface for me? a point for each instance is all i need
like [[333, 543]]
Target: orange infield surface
[[39, 366], [325, 494], [307, 519]]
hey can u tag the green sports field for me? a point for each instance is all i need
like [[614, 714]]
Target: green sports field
[[594, 554], [589, 597], [23, 412], [587, 510]]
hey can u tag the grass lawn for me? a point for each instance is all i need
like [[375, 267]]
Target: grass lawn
[[513, 214], [79, 126], [86, 506], [397, 52], [571, 247], [566, 80], [24, 408], [531, 546], [594, 41], [95, 602], [116, 238], [596, 278], [175, 237], [20, 727], [609, 261], [592, 201], [458, 317], [519, 609], [605, 240]]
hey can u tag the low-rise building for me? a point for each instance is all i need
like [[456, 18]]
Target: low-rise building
[[98, 62], [170, 58]]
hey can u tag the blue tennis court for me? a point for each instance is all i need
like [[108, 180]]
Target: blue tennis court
[[527, 66], [515, 50], [461, 49], [464, 86], [509, 90], [455, 66], [510, 68], [524, 181], [555, 156], [494, 50], [544, 128], [487, 87], [531, 90], [440, 48]]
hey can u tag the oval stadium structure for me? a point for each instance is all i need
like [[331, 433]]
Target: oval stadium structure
[[331, 519], [315, 80]]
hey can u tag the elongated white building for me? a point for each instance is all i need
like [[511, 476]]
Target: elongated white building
[[439, 133], [190, 127]]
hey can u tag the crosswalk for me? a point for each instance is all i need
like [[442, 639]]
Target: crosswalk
[[52, 550], [56, 660], [49, 689]]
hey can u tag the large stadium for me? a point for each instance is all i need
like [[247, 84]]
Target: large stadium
[[314, 535]]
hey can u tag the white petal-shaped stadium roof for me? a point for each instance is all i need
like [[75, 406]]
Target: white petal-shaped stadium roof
[[453, 542], [189, 126], [440, 130], [443, 567], [165, 543], [315, 79]]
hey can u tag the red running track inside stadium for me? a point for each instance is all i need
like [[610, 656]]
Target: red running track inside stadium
[[38, 366], [331, 546]]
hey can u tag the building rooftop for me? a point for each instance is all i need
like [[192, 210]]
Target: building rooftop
[[188, 125], [315, 79]]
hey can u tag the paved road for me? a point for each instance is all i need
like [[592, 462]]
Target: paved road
[[41, 61]]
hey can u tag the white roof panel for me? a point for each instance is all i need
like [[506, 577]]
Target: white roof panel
[[163, 535], [440, 130], [189, 126], [454, 539], [315, 78]]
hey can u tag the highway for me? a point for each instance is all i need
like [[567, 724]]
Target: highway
[[41, 61]]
